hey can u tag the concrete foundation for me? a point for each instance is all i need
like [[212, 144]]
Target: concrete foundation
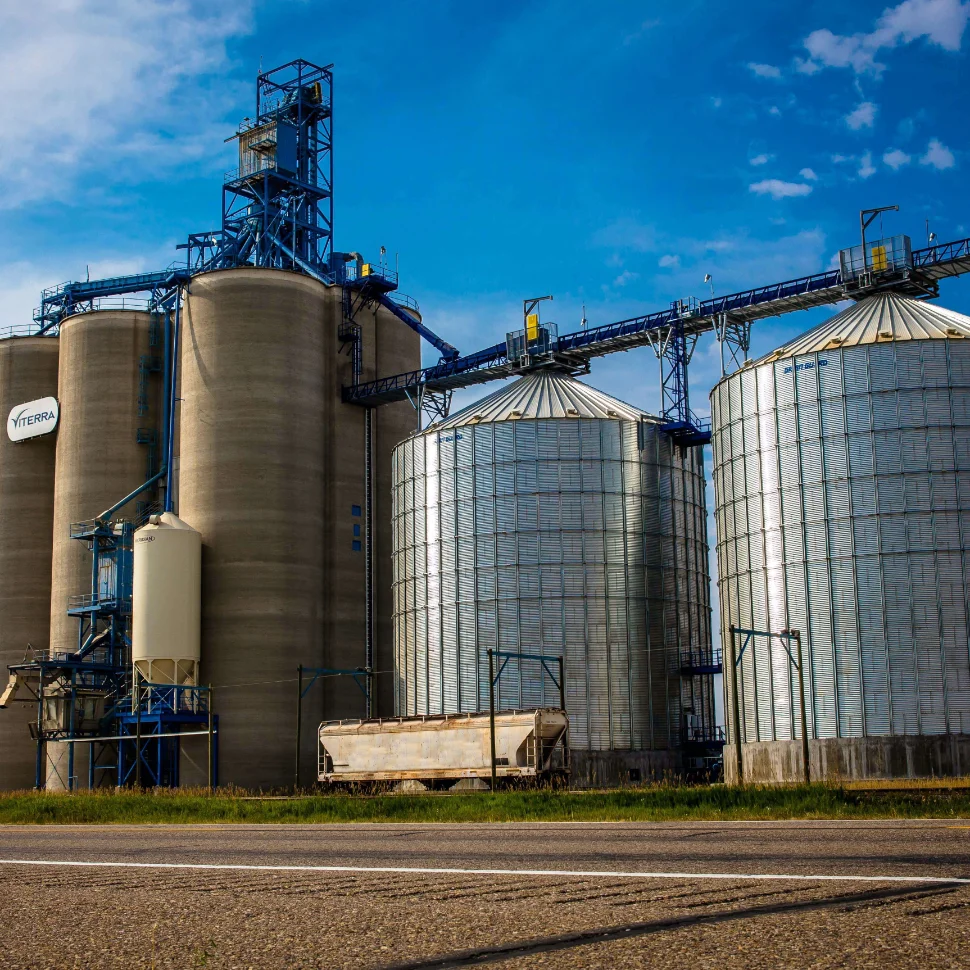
[[835, 759], [57, 766], [614, 769]]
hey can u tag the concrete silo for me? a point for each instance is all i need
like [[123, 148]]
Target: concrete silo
[[107, 446], [358, 574], [28, 372], [108, 388], [273, 474], [842, 476], [551, 518]]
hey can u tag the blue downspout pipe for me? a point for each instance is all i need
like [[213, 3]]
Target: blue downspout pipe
[[167, 377], [171, 399], [447, 351]]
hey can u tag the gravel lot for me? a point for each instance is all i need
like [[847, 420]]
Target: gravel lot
[[183, 918]]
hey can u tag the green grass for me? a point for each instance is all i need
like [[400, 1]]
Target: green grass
[[649, 804]]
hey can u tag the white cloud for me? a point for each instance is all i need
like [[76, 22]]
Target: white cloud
[[866, 168], [764, 70], [20, 287], [774, 110], [625, 277], [838, 159], [805, 65], [862, 116], [669, 262], [761, 159], [87, 82], [808, 174], [941, 22], [716, 102], [896, 159], [938, 155], [778, 189]]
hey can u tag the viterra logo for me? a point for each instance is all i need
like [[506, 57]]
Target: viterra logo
[[32, 419]]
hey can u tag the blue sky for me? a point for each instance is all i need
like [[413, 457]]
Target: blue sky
[[610, 154]]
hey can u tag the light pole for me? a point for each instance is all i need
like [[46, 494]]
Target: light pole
[[735, 708], [796, 635]]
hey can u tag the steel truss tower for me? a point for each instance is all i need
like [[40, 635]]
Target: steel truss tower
[[277, 206]]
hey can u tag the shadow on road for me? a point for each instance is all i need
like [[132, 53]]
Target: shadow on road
[[565, 941]]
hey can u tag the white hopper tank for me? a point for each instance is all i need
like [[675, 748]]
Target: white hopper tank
[[166, 601]]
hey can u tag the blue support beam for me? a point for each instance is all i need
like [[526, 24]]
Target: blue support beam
[[61, 301], [740, 309]]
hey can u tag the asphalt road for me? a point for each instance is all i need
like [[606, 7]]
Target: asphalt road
[[125, 915]]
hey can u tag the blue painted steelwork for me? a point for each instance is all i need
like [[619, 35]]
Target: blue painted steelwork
[[735, 311], [61, 301], [58, 683], [150, 723], [97, 669], [277, 208], [103, 613]]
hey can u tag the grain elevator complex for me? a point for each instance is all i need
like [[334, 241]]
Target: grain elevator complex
[[234, 505]]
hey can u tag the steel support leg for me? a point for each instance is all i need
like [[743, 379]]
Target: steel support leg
[[734, 339]]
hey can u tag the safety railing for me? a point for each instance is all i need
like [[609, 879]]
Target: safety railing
[[18, 330], [171, 699], [702, 734], [701, 662]]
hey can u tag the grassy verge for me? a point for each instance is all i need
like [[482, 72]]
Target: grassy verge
[[653, 804]]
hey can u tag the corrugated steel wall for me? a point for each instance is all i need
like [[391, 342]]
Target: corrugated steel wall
[[842, 483], [560, 537]]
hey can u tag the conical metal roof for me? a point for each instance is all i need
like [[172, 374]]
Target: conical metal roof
[[544, 394], [880, 318]]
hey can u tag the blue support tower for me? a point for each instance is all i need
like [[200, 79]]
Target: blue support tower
[[151, 722], [277, 206], [675, 351]]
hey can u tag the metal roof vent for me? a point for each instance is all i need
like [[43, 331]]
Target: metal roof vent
[[953, 332], [885, 335], [610, 413], [514, 414], [572, 413]]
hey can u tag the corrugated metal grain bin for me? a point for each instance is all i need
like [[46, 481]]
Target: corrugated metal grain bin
[[550, 518], [108, 392], [842, 477]]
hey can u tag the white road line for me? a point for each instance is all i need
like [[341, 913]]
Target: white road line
[[586, 873]]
